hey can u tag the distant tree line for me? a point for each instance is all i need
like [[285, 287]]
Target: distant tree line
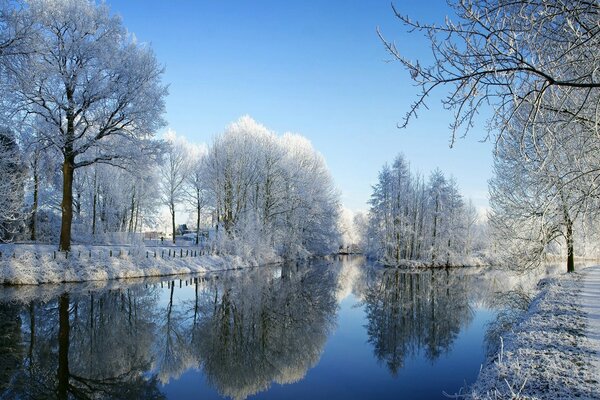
[[411, 219]]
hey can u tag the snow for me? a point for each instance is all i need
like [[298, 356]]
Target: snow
[[553, 351], [36, 264], [589, 300]]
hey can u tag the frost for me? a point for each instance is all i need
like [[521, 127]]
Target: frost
[[548, 353], [35, 264]]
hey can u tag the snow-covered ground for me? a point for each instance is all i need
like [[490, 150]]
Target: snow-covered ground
[[553, 352], [35, 264], [589, 298]]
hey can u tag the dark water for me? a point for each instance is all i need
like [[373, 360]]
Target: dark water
[[336, 330]]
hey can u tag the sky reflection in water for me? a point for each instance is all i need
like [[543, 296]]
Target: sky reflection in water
[[338, 330]]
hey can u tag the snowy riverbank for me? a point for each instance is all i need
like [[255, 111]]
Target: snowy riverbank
[[552, 353], [35, 264], [456, 262]]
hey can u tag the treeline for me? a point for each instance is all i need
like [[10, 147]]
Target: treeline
[[82, 103], [412, 219], [260, 195]]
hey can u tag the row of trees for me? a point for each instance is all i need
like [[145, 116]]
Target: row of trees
[[411, 219], [260, 195], [82, 100], [535, 63]]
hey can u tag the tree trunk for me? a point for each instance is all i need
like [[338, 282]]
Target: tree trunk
[[34, 207], [570, 253], [130, 228], [63, 347], [173, 221], [198, 210], [137, 216], [94, 202], [435, 221], [67, 204]]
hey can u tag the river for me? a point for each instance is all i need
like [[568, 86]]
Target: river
[[334, 329]]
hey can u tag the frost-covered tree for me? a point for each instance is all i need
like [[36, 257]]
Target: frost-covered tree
[[15, 31], [544, 188], [413, 220], [119, 200], [12, 185], [89, 80], [173, 174], [271, 195], [196, 189], [310, 201], [534, 63], [509, 55]]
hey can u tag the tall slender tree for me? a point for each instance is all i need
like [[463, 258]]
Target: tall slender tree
[[174, 172]]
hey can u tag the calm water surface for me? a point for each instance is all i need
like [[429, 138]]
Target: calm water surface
[[340, 329]]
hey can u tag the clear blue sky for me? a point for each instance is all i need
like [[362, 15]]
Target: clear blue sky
[[311, 67]]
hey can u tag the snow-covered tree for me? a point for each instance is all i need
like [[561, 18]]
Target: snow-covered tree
[[90, 81], [534, 63], [12, 185], [173, 174], [196, 189], [544, 188], [413, 220], [509, 55], [270, 194]]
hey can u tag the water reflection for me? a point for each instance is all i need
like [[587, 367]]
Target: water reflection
[[11, 349], [245, 330], [86, 347], [410, 312], [242, 330], [264, 330]]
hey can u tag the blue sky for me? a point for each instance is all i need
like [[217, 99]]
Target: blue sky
[[316, 68]]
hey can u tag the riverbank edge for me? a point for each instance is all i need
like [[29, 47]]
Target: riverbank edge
[[418, 265], [546, 353], [42, 265]]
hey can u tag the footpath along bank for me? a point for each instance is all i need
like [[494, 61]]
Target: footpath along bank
[[554, 351]]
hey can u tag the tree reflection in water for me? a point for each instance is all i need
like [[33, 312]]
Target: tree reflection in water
[[11, 348], [86, 346], [245, 330], [408, 312], [262, 329]]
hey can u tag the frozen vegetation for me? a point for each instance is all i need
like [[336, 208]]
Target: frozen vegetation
[[530, 68], [81, 161], [417, 223], [35, 264], [552, 349]]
